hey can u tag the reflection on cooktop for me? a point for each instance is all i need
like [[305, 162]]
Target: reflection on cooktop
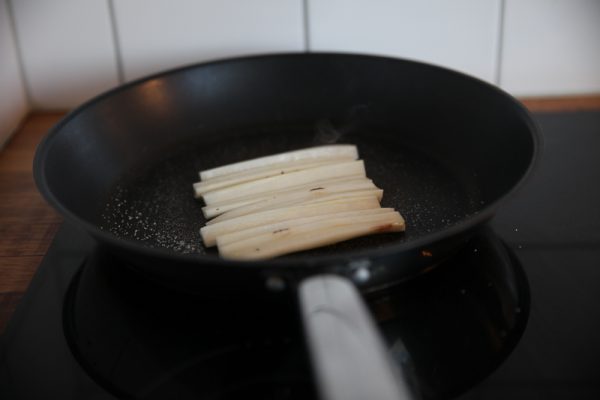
[[458, 323], [452, 326]]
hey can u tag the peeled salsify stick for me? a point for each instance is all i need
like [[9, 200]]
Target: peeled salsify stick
[[277, 227], [312, 153], [259, 173], [307, 236], [203, 187], [211, 232], [292, 195], [257, 207], [280, 182]]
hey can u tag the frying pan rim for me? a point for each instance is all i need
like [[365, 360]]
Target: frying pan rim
[[292, 261]]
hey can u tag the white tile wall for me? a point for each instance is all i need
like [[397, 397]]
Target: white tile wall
[[70, 52], [158, 34], [461, 34], [13, 102], [67, 49], [551, 47]]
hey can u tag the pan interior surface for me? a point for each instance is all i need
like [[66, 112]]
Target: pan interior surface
[[154, 205], [442, 146]]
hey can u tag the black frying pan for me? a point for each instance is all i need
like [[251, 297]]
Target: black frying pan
[[446, 148]]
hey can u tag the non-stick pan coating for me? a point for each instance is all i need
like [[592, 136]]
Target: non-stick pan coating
[[155, 204], [446, 148]]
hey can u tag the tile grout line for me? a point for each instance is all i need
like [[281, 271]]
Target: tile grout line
[[115, 39], [500, 43], [306, 25], [12, 25]]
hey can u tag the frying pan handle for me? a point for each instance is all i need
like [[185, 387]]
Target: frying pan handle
[[347, 351]]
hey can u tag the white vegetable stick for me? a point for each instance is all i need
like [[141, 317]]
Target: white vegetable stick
[[280, 182], [210, 232], [237, 236], [276, 166], [221, 208], [312, 235], [262, 206], [313, 153], [203, 187], [312, 190]]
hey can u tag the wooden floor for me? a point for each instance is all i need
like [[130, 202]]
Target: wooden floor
[[28, 224]]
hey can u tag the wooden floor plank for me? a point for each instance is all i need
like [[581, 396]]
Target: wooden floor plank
[[562, 103], [16, 272], [27, 222]]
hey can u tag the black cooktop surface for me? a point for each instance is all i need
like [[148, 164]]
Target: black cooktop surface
[[514, 315]]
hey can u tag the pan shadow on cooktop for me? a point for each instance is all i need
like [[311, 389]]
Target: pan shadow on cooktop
[[452, 326]]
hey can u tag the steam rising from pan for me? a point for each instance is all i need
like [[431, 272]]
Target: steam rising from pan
[[327, 133]]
